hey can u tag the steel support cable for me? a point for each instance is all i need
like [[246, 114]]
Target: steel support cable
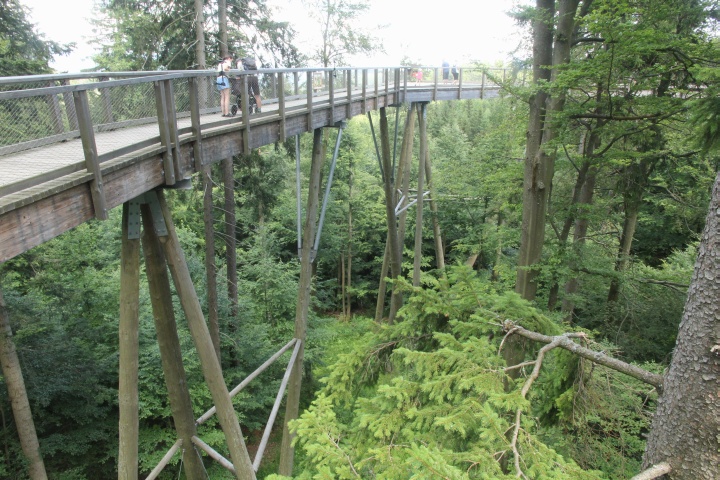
[[314, 250], [377, 150]]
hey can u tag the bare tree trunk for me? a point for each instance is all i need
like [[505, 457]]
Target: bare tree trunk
[[222, 21], [292, 409], [200, 35], [18, 397], [534, 187], [687, 421]]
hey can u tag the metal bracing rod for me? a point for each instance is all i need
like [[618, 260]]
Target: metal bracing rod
[[327, 193], [411, 203], [276, 407], [163, 463], [377, 150], [214, 454], [204, 418], [297, 187]]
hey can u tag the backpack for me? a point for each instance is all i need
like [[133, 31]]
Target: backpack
[[249, 63]]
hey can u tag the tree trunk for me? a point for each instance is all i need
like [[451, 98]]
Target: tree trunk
[[222, 21], [687, 421], [534, 188], [200, 35], [18, 398]]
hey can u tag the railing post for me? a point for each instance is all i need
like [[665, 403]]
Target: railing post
[[482, 85], [273, 85], [309, 100], [349, 94], [195, 125], [296, 81], [377, 87], [107, 103], [171, 115], [70, 107], [331, 93], [90, 150], [161, 108], [281, 107], [364, 90], [435, 86], [460, 82], [245, 109], [54, 104]]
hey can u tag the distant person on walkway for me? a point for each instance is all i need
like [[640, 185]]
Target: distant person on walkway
[[223, 85], [417, 76], [248, 63], [446, 71], [455, 72]]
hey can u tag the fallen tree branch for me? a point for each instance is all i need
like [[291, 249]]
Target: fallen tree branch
[[564, 341], [653, 472]]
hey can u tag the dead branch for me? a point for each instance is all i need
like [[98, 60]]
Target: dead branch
[[564, 341], [653, 472]]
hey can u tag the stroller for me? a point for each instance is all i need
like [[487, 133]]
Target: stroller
[[253, 88]]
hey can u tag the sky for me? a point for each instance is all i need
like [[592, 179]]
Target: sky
[[426, 31]]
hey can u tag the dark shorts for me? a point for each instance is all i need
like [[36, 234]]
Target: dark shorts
[[253, 85], [446, 73]]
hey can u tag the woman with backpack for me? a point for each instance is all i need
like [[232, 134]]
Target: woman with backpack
[[223, 85]]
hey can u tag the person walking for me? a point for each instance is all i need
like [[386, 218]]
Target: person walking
[[223, 86]]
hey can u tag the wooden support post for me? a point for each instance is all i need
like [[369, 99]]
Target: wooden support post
[[395, 246], [161, 109], [230, 227], [210, 271], [92, 164], [195, 125], [296, 83], [170, 354], [421, 112], [435, 86], [377, 86], [18, 398], [129, 325], [165, 460], [439, 250], [482, 85], [203, 344], [292, 408], [460, 82]]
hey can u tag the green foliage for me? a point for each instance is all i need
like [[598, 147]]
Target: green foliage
[[24, 51], [426, 397]]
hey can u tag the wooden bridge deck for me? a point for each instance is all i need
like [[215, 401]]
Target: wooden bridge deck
[[49, 189]]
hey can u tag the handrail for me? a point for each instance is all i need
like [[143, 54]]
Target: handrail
[[42, 116]]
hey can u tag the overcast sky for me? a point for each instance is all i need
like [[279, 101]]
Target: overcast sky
[[426, 31]]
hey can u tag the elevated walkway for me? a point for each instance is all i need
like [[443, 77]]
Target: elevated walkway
[[74, 146]]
